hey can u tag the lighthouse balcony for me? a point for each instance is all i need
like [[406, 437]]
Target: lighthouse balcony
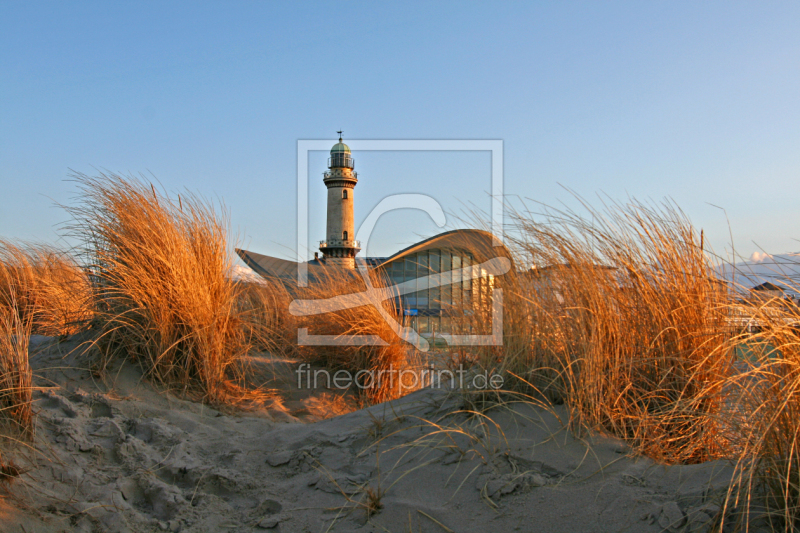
[[339, 174], [342, 160], [339, 243]]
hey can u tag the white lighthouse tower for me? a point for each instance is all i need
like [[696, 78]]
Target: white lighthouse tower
[[340, 247]]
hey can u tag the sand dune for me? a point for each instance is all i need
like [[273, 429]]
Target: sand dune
[[123, 456]]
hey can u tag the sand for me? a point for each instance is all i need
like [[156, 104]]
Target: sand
[[118, 454]]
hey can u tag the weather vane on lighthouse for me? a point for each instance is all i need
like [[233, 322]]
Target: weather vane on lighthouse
[[340, 135]]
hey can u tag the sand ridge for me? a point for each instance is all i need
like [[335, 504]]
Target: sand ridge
[[121, 455]]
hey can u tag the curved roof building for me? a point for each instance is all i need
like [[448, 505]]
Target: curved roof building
[[444, 276]]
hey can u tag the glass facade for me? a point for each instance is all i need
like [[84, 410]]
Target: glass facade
[[438, 288]]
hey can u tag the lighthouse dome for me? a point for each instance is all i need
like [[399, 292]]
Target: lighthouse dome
[[340, 148]]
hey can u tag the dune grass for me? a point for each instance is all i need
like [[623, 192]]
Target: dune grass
[[621, 318], [16, 378], [268, 325], [162, 291], [624, 319], [16, 387], [44, 292], [387, 361], [50, 290], [767, 400]]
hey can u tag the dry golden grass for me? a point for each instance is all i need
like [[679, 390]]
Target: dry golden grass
[[16, 387], [163, 296], [388, 359], [268, 325], [42, 291], [767, 405], [51, 290], [622, 319], [625, 320]]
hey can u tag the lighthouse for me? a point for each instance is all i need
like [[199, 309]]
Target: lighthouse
[[340, 247]]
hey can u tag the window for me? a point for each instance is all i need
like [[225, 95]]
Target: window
[[344, 235], [397, 272], [447, 325], [422, 299], [411, 266], [435, 301], [456, 269], [434, 260], [456, 291], [344, 194], [422, 261], [446, 265], [467, 263], [446, 276], [447, 296]]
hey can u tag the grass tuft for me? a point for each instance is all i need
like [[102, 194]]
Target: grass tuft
[[162, 291], [389, 361], [618, 314], [16, 387], [50, 290], [767, 416]]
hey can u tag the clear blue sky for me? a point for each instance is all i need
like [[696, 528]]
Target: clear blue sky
[[697, 101]]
